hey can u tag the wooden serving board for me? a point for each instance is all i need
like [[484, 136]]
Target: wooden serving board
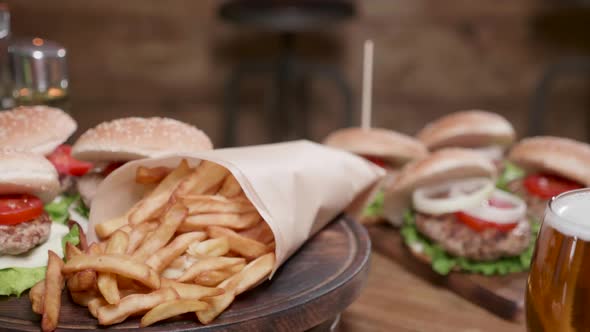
[[501, 295], [314, 285]]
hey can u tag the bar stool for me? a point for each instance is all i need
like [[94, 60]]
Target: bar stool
[[287, 19]]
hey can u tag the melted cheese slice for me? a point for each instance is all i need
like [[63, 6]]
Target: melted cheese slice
[[38, 256]]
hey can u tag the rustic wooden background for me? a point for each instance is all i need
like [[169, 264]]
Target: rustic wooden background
[[148, 57]]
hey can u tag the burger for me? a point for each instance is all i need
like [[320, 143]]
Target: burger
[[487, 133], [386, 148], [43, 130], [111, 144], [544, 167], [454, 217], [27, 181]]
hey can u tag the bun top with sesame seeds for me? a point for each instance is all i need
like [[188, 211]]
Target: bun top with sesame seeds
[[38, 129], [134, 138]]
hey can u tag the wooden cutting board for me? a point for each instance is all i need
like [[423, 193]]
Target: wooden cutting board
[[314, 285], [501, 295]]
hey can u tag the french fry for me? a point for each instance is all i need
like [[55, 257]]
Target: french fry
[[86, 279], [255, 272], [152, 205], [105, 229], [206, 176], [138, 234], [229, 220], [107, 282], [237, 243], [83, 244], [260, 232], [164, 256], [217, 304], [36, 296], [118, 264], [165, 231], [230, 187], [197, 204], [208, 264], [214, 278], [71, 251], [149, 175], [82, 281], [94, 249], [133, 304], [83, 298], [94, 304], [212, 247], [54, 283], [191, 291], [170, 309], [127, 229]]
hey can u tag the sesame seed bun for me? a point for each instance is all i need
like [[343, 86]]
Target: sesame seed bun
[[26, 172], [39, 129], [442, 165], [467, 129], [388, 145], [561, 156], [135, 138]]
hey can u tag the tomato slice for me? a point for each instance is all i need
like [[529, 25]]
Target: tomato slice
[[547, 186], [65, 164], [479, 225], [375, 160], [111, 167], [18, 208]]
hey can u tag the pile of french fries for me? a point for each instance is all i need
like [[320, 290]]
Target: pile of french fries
[[191, 245]]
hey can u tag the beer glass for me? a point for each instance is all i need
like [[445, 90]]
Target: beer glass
[[558, 288]]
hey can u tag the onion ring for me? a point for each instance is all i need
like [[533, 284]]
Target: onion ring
[[457, 195], [485, 211]]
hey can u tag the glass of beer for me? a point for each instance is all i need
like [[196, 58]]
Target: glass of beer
[[558, 289]]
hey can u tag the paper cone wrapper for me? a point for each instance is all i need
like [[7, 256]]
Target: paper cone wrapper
[[297, 187]]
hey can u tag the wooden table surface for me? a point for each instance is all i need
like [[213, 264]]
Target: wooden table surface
[[396, 300]]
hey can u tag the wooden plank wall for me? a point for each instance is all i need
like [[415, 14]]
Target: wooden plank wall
[[147, 57]]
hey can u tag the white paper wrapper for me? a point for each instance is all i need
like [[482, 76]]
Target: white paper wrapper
[[297, 187]]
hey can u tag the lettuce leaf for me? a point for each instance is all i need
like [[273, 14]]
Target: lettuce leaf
[[443, 263], [58, 209], [72, 237], [82, 209], [14, 281], [509, 173], [375, 208]]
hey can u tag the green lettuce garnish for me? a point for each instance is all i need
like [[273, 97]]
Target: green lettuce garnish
[[510, 173], [375, 208], [443, 263], [82, 209], [58, 210], [72, 237], [14, 281]]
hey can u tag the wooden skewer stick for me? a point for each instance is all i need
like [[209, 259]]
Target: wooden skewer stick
[[367, 84]]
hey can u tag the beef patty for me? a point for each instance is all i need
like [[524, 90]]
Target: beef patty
[[460, 240], [20, 238], [535, 205]]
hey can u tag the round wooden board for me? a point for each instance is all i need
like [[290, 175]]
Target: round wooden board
[[315, 284]]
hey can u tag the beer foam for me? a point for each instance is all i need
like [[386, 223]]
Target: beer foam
[[570, 214]]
